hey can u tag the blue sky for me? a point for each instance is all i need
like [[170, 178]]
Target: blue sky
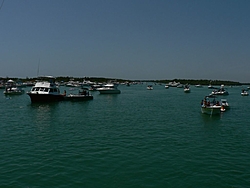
[[128, 39]]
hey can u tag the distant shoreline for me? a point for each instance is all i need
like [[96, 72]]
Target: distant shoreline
[[103, 79]]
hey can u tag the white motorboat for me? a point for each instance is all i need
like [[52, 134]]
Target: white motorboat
[[109, 89], [198, 85], [244, 92], [12, 89], [166, 86], [95, 87], [180, 86], [210, 106], [150, 87], [210, 87], [224, 103], [220, 91], [173, 84], [45, 91], [187, 88], [86, 83]]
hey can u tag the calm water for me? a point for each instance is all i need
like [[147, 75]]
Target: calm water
[[140, 138]]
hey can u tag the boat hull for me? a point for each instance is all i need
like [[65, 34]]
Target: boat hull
[[109, 91], [187, 90], [78, 98], [13, 93], [211, 110], [45, 97]]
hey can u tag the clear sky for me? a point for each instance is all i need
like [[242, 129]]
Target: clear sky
[[127, 39]]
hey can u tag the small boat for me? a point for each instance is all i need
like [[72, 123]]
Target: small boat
[[198, 85], [173, 84], [187, 88], [211, 87], [12, 89], [94, 87], [109, 89], [45, 90], [2, 85], [210, 106], [166, 86], [180, 86], [150, 87], [244, 92], [220, 91], [127, 84], [224, 103], [83, 95]]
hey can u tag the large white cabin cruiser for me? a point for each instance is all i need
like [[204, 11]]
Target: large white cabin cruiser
[[109, 89], [45, 91]]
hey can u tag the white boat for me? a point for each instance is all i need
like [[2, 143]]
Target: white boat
[[224, 104], [180, 86], [109, 89], [127, 84], [166, 86], [173, 84], [244, 92], [150, 87], [220, 91], [94, 87], [45, 91], [210, 87], [12, 89], [210, 106], [198, 85], [86, 83], [187, 88]]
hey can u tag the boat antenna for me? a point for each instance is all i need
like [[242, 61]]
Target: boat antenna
[[38, 67]]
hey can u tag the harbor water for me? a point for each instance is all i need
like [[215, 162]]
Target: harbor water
[[139, 138]]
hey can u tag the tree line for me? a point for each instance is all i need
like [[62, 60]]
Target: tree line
[[102, 80]]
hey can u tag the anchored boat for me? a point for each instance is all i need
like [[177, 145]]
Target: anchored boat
[[45, 91]]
